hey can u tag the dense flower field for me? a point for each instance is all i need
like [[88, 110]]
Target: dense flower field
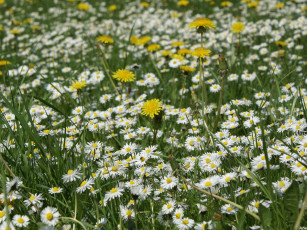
[[153, 115]]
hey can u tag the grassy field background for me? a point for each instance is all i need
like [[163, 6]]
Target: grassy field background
[[153, 114]]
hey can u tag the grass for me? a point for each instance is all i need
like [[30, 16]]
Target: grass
[[86, 156]]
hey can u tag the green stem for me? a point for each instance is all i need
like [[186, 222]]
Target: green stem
[[219, 105], [222, 199], [8, 220], [6, 166], [74, 220], [106, 69], [135, 213], [301, 214], [183, 87], [155, 66]]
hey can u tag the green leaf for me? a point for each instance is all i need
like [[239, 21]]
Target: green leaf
[[265, 216], [241, 219], [35, 137], [49, 105], [291, 202]]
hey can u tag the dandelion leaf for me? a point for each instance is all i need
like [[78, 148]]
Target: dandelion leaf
[[265, 217], [291, 202]]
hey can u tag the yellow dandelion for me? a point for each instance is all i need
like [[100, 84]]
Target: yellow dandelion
[[14, 31], [226, 3], [279, 5], [202, 24], [183, 3], [280, 43], [201, 52], [166, 53], [78, 85], [184, 52], [112, 8], [105, 39], [83, 6], [123, 75], [143, 40], [152, 107], [4, 62], [177, 44], [186, 68], [144, 4], [177, 56], [153, 47], [237, 27], [253, 4]]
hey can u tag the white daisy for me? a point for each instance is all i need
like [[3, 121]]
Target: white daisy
[[50, 216]]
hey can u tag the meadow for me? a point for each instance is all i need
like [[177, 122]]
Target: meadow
[[157, 114]]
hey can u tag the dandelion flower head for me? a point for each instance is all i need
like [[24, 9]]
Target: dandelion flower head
[[152, 107], [123, 75]]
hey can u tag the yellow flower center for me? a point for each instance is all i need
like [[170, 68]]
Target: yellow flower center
[[281, 184], [208, 183], [168, 180], [114, 168], [83, 183], [49, 216], [20, 220], [185, 222], [114, 190]]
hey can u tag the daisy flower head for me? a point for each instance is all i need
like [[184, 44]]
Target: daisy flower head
[[184, 223], [228, 209], [35, 199], [20, 221], [2, 215], [123, 75], [113, 193], [55, 190], [152, 107], [50, 216], [126, 212], [215, 88], [202, 24], [178, 214], [100, 223], [71, 175], [168, 207], [175, 63], [169, 182], [6, 226], [282, 185], [204, 225]]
